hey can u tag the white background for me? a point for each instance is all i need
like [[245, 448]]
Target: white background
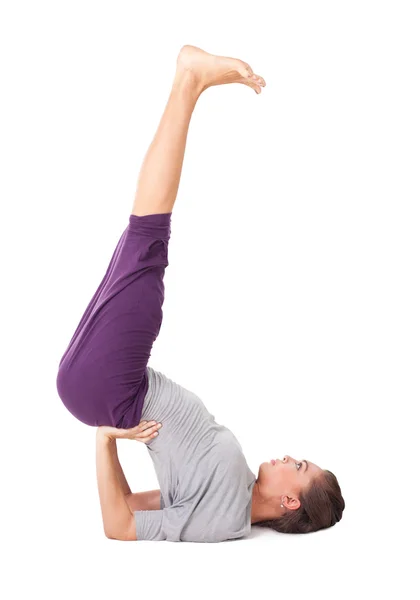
[[292, 292]]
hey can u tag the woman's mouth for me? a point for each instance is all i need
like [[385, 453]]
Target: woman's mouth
[[273, 462]]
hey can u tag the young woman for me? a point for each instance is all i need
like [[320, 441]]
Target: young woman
[[207, 491]]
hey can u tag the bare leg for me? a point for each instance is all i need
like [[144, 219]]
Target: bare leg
[[160, 173]]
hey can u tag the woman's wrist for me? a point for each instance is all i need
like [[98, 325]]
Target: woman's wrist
[[104, 436]]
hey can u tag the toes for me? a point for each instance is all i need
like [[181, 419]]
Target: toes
[[258, 79], [253, 85], [245, 71], [250, 78]]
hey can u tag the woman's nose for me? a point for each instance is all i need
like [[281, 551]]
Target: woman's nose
[[286, 459]]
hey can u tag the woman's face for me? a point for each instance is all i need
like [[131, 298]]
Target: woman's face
[[287, 477]]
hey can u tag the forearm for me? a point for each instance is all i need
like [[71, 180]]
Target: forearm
[[120, 473], [116, 513]]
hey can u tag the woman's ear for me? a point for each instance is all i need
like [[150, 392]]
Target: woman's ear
[[291, 502]]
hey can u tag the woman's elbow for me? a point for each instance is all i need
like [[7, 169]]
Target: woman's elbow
[[110, 535], [126, 534], [115, 536]]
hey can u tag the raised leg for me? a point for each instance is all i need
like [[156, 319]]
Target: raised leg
[[160, 173], [102, 375]]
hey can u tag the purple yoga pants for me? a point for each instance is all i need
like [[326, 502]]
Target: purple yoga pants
[[102, 376]]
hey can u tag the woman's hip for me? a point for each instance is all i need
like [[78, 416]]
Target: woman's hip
[[104, 365]]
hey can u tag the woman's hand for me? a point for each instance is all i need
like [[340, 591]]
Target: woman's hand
[[144, 432]]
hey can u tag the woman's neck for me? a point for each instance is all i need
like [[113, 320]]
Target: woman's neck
[[263, 508]]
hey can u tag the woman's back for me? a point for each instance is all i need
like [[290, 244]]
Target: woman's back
[[206, 484]]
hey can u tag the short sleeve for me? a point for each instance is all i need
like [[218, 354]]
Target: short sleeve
[[165, 524], [149, 525]]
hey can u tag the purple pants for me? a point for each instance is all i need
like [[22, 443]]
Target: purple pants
[[102, 376]]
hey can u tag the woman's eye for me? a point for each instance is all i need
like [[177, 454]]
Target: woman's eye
[[298, 465]]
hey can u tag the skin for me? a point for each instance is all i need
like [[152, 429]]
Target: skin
[[114, 491], [196, 71], [157, 188], [279, 484]]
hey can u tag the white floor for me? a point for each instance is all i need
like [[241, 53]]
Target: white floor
[[59, 547]]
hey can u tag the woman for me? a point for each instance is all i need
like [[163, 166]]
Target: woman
[[207, 491]]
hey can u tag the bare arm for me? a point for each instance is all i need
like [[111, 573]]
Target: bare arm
[[144, 500], [120, 473], [118, 520], [149, 500]]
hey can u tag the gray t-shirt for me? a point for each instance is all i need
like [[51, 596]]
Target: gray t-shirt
[[205, 482]]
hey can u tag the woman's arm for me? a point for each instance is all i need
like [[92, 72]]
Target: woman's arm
[[149, 500], [120, 473], [118, 520], [144, 500]]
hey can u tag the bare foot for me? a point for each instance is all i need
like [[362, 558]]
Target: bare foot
[[211, 69]]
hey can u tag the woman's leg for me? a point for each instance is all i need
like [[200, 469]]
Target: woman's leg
[[160, 173], [102, 375]]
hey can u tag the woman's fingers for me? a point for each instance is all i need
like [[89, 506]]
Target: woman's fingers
[[151, 431], [144, 425], [149, 427], [145, 431], [146, 438]]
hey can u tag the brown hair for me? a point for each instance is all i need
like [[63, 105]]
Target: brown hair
[[321, 506]]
